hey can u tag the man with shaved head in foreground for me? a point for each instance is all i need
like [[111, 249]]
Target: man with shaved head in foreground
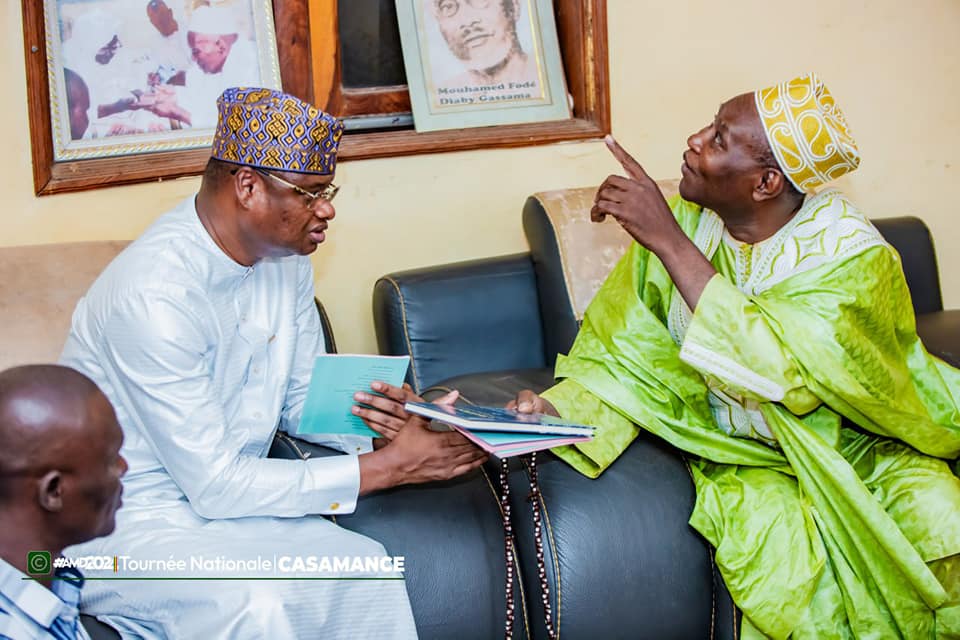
[[60, 470]]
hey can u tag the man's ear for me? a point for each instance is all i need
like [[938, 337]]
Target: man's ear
[[247, 187], [771, 184], [50, 491]]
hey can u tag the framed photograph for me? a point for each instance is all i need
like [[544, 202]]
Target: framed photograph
[[475, 63], [143, 76]]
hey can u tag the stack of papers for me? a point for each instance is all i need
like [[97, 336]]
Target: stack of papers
[[503, 432]]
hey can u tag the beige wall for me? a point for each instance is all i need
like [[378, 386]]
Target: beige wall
[[894, 69]]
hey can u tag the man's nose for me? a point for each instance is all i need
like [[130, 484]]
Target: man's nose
[[695, 141], [324, 209]]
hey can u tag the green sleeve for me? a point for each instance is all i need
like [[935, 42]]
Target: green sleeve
[[730, 341], [614, 432]]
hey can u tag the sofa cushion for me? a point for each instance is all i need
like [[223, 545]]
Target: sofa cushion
[[620, 558], [494, 388], [451, 536], [479, 315], [40, 288]]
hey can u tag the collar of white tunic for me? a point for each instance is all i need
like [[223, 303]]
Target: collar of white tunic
[[220, 261]]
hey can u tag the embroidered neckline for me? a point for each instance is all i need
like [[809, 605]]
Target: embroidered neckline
[[836, 230]]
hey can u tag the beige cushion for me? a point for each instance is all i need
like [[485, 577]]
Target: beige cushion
[[39, 288], [588, 250]]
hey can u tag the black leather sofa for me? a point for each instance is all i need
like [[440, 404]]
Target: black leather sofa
[[622, 561]]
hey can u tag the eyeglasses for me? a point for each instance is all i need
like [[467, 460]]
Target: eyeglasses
[[450, 8], [328, 193]]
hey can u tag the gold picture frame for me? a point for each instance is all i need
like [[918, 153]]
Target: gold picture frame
[[142, 77]]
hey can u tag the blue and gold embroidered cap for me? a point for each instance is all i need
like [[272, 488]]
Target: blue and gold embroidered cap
[[273, 130]]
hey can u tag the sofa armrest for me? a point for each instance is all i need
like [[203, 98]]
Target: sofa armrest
[[561, 322], [465, 317], [912, 240], [329, 343], [940, 333]]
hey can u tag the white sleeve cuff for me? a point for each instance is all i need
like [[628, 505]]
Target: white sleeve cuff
[[335, 484], [722, 367], [354, 445]]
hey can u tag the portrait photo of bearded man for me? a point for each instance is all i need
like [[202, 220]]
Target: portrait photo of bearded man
[[485, 38]]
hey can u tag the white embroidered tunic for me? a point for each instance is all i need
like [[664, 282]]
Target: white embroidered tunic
[[203, 359]]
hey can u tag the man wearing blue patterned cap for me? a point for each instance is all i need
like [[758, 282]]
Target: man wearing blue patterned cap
[[203, 334]]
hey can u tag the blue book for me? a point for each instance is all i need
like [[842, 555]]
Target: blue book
[[504, 432], [477, 418], [336, 377]]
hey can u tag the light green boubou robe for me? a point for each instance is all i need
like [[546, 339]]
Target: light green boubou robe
[[821, 529]]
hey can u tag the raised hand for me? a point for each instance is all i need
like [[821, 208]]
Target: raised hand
[[637, 204]]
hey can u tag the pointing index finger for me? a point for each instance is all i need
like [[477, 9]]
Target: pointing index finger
[[631, 166]]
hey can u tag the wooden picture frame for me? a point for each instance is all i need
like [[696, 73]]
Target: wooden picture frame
[[581, 29], [309, 67], [116, 110], [472, 64]]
